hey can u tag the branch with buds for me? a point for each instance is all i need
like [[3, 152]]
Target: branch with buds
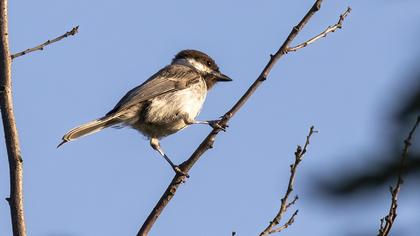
[[388, 220], [284, 201], [208, 142], [323, 34], [40, 47]]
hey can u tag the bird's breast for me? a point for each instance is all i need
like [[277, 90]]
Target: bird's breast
[[166, 113]]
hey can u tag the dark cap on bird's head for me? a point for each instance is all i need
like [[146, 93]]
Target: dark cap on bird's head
[[203, 63], [165, 103]]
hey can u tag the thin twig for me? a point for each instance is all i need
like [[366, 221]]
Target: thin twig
[[208, 142], [388, 221], [10, 131], [46, 43], [292, 202], [329, 29], [284, 201]]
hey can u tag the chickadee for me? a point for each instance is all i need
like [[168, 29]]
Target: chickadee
[[167, 102]]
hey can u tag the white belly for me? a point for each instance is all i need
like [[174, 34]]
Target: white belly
[[167, 113]]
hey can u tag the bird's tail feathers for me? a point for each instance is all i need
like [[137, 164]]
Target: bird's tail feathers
[[90, 128]]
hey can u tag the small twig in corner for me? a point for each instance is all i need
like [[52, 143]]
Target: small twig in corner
[[388, 221], [48, 42], [300, 152]]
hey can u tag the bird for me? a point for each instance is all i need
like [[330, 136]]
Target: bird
[[164, 104]]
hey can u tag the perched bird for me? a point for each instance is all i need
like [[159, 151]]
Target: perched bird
[[167, 102]]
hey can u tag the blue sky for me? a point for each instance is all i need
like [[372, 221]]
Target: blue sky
[[107, 183]]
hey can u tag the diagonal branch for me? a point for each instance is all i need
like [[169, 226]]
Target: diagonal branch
[[10, 131], [329, 29], [208, 142], [284, 201], [46, 43], [388, 221]]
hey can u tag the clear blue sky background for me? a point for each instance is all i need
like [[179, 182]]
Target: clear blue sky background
[[106, 184]]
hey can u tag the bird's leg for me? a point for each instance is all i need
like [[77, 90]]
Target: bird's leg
[[213, 123], [154, 142]]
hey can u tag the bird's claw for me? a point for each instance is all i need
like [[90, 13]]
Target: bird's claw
[[216, 125], [180, 172]]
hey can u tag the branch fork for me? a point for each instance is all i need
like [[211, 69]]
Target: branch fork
[[208, 142], [284, 206], [15, 199]]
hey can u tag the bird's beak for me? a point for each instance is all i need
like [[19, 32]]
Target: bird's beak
[[221, 77]]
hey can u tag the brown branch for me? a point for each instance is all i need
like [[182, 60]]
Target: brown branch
[[46, 43], [208, 142], [284, 201], [10, 132], [287, 224], [388, 221], [329, 29]]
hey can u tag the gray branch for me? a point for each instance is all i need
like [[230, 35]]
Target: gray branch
[[46, 43]]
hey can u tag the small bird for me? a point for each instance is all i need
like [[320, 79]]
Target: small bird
[[167, 102]]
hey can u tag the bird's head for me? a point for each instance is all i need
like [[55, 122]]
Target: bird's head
[[203, 64]]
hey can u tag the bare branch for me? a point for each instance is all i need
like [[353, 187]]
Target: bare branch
[[48, 42], [10, 131], [287, 224], [208, 142], [329, 29], [388, 221], [284, 201], [292, 202]]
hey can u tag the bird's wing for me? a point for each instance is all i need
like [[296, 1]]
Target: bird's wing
[[171, 78]]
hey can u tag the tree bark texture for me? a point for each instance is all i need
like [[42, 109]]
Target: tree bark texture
[[10, 132]]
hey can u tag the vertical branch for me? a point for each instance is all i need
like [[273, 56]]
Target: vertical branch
[[10, 132], [285, 204]]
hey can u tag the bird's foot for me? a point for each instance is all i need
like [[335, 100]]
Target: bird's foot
[[215, 124]]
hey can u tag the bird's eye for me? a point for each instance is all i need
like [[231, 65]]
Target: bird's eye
[[209, 63]]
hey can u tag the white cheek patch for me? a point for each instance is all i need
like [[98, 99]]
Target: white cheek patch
[[199, 66]]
